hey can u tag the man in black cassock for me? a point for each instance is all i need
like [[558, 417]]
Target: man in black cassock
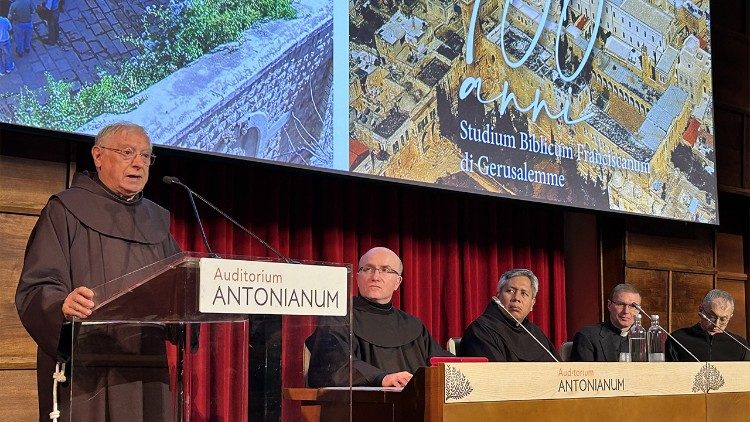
[[99, 229], [605, 341], [497, 336], [388, 344], [708, 340]]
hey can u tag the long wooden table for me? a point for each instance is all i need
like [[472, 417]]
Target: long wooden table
[[716, 391]]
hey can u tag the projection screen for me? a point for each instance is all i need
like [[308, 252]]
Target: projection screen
[[598, 104]]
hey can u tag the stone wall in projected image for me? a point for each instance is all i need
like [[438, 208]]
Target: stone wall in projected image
[[267, 96], [631, 130]]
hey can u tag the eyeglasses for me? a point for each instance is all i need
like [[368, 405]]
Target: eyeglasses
[[128, 154], [383, 270], [623, 305], [717, 320]]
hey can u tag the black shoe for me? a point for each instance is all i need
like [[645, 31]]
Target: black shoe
[[48, 42]]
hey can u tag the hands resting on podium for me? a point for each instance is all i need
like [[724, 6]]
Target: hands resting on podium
[[397, 379], [78, 303]]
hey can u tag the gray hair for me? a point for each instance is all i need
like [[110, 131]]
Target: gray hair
[[716, 294], [119, 127], [516, 272], [623, 288]]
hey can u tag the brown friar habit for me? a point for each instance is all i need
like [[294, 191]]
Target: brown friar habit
[[385, 340], [86, 236], [497, 337]]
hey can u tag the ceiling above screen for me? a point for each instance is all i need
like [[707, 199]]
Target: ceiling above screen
[[604, 105]]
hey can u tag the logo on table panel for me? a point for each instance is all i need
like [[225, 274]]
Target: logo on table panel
[[708, 378], [457, 386]]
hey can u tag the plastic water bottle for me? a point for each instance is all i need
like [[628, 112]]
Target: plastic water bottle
[[656, 339], [637, 341]]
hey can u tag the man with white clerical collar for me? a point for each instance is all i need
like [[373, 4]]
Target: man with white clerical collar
[[709, 339], [388, 344], [497, 335], [605, 341], [99, 229]]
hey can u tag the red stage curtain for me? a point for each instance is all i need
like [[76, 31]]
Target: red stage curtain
[[454, 246]]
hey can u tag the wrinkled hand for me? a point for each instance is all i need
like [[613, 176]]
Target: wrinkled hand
[[398, 379], [78, 303]]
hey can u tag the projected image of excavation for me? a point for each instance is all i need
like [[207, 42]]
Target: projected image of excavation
[[248, 78]]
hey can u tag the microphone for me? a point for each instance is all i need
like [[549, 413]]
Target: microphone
[[643, 311], [173, 180], [722, 331], [500, 304]]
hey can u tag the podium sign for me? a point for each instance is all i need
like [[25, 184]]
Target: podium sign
[[271, 288], [173, 341], [489, 382]]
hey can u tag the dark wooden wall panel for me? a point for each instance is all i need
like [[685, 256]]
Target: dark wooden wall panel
[[582, 283], [730, 53], [31, 169], [653, 285], [688, 290], [664, 252], [19, 396], [730, 131], [731, 72], [17, 350], [730, 26], [738, 323], [26, 185], [612, 235], [730, 253], [730, 15]]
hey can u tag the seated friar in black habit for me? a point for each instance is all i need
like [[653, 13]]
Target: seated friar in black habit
[[497, 333], [709, 340], [388, 345]]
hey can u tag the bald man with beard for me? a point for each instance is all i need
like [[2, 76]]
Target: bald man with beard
[[388, 344]]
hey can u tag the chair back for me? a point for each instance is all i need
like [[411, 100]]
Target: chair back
[[566, 349], [453, 344]]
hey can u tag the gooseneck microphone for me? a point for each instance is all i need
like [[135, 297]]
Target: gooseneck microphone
[[170, 180], [500, 304], [643, 311], [704, 316], [173, 180]]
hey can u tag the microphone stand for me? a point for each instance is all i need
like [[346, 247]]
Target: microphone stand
[[182, 328], [173, 180], [500, 304], [637, 306], [194, 327], [702, 315], [200, 225]]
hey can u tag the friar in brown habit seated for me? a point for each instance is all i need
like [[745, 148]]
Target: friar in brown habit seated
[[388, 344], [99, 229]]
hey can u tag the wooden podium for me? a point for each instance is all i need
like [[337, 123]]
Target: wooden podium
[[468, 392]]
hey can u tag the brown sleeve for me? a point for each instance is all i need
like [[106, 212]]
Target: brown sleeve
[[45, 278]]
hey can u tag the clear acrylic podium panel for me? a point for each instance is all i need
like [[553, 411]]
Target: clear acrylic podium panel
[[147, 353]]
